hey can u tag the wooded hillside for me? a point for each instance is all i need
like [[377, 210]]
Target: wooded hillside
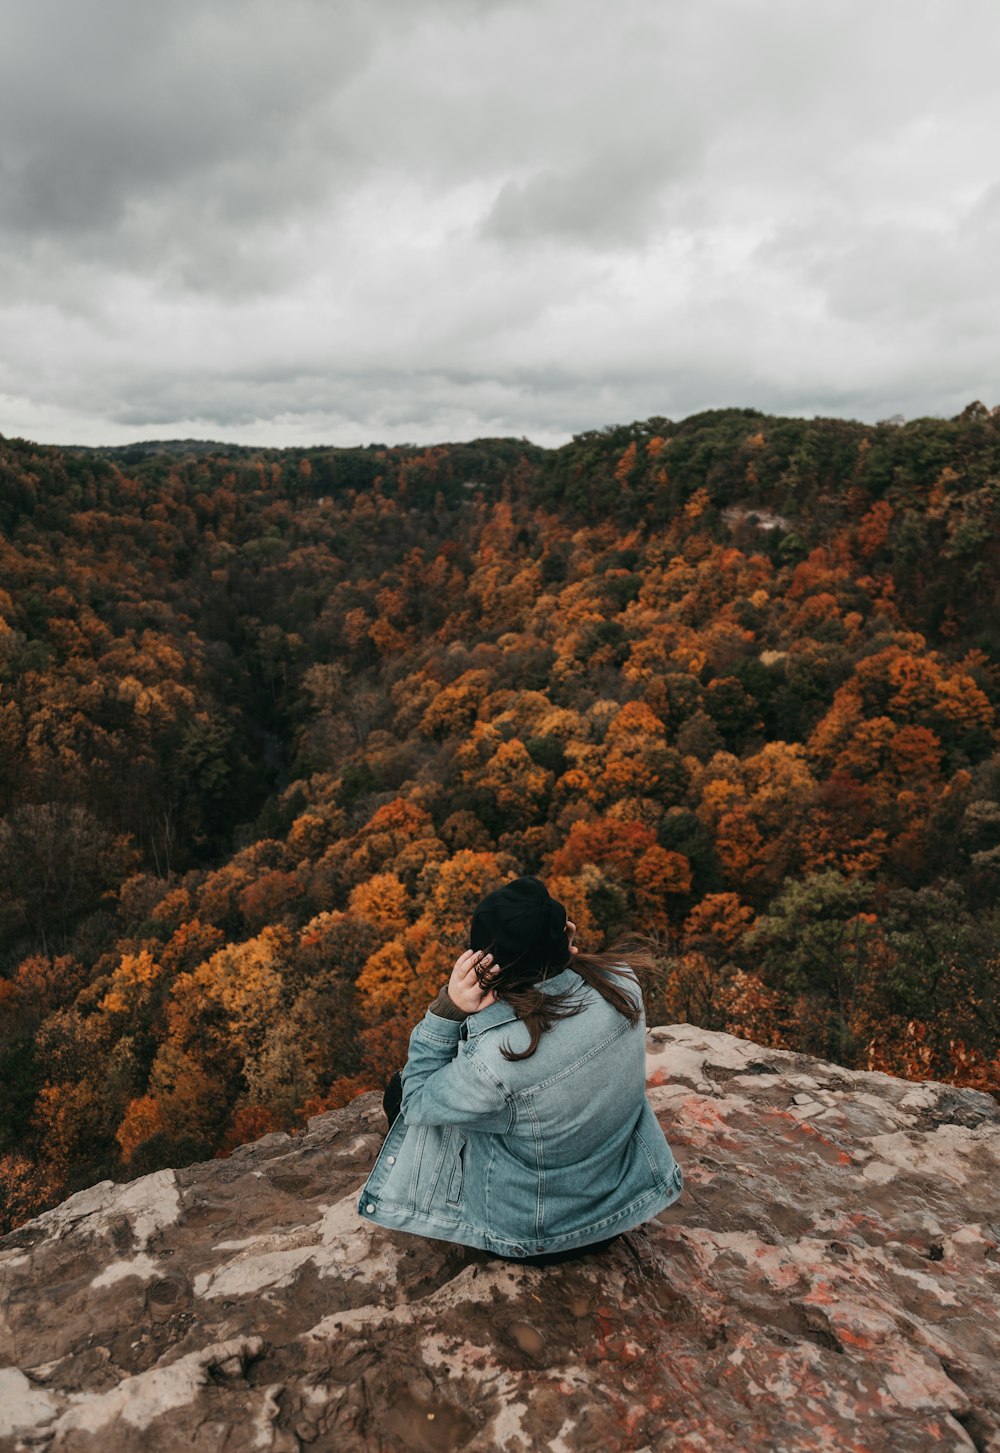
[[271, 722]]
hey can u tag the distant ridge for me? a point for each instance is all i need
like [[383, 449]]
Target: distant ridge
[[147, 448], [203, 448]]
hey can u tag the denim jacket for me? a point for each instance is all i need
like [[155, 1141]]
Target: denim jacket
[[528, 1156]]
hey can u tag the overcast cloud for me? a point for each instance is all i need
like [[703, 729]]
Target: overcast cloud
[[315, 222]]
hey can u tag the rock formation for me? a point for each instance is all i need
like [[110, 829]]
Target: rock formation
[[829, 1280]]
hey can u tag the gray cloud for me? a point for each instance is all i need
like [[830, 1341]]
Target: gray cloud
[[435, 218], [170, 140], [614, 198], [105, 106]]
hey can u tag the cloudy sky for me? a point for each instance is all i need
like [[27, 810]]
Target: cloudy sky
[[345, 221]]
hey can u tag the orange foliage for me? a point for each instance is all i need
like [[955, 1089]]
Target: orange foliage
[[189, 945], [26, 1189], [660, 874], [459, 884], [385, 1047], [475, 676], [65, 1119], [901, 1050], [190, 1100], [40, 985], [172, 908], [383, 900], [142, 1120], [719, 916], [739, 846], [226, 1005], [873, 531], [626, 463], [688, 992], [971, 1068], [391, 828], [517, 784], [830, 843], [249, 1123], [342, 1091], [572, 894], [267, 898], [453, 709], [753, 1011], [388, 984], [616, 846]]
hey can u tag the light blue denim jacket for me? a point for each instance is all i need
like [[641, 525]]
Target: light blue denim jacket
[[527, 1156]]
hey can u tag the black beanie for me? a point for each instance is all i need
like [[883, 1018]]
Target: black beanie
[[524, 929]]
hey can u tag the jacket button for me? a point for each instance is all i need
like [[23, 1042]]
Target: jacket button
[[369, 1208], [390, 1160]]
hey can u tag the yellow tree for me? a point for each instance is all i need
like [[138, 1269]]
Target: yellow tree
[[518, 786], [389, 985], [456, 887], [131, 987], [391, 828], [383, 901], [454, 708], [779, 784], [225, 1009], [67, 1121]]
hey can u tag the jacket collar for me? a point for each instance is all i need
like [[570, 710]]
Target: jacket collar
[[501, 1013]]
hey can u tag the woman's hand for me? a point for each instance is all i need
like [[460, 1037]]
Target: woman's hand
[[463, 986]]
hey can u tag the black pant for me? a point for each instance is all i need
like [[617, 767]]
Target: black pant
[[393, 1098], [391, 1101]]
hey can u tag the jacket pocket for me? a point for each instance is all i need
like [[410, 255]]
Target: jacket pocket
[[662, 1169], [457, 1174]]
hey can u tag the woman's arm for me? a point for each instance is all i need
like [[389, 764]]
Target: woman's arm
[[441, 1085]]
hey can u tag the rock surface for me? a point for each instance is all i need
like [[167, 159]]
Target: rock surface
[[829, 1280]]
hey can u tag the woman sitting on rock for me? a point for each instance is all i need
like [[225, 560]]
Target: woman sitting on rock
[[523, 1126]]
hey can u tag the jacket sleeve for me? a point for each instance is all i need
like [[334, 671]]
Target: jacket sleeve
[[444, 1085]]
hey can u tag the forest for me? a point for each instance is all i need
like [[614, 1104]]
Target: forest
[[272, 722]]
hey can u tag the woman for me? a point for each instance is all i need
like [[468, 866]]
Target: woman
[[524, 1127]]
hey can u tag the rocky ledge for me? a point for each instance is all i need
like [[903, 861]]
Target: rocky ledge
[[829, 1280]]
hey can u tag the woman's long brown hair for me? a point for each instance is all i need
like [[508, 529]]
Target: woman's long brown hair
[[538, 1011]]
